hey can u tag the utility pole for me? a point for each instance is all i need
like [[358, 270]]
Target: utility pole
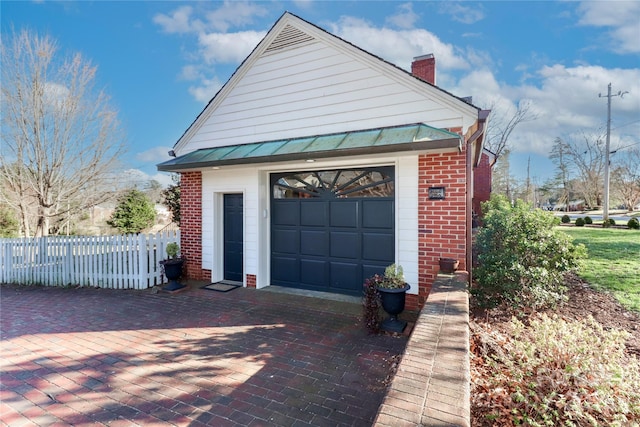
[[605, 213]]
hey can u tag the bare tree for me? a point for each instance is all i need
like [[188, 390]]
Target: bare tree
[[625, 178], [61, 141], [502, 182], [585, 157], [562, 178], [502, 124]]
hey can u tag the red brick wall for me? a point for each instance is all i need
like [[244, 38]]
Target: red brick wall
[[481, 183], [191, 224], [441, 223]]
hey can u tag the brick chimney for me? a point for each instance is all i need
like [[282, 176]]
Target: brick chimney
[[424, 67]]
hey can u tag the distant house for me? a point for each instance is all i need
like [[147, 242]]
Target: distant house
[[318, 164]]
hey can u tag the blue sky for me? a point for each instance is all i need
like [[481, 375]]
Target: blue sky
[[161, 61]]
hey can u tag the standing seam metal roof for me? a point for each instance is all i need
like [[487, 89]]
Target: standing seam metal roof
[[417, 136]]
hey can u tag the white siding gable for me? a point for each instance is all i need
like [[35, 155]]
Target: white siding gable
[[301, 81]]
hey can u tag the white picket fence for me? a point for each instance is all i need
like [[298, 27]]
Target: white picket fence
[[117, 262]]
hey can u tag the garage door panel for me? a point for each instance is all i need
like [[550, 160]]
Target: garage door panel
[[371, 268], [313, 213], [345, 276], [377, 214], [313, 272], [285, 213], [285, 269], [314, 242], [378, 246], [285, 241], [345, 245], [344, 213]]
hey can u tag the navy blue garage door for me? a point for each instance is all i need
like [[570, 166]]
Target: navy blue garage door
[[331, 229]]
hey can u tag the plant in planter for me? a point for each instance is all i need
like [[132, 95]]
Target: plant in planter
[[392, 289], [172, 267]]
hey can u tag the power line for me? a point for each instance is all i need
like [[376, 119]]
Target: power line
[[625, 124]]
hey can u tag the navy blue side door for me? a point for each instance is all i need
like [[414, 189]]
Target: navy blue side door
[[233, 237]]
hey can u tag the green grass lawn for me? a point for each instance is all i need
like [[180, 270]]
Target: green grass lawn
[[613, 262]]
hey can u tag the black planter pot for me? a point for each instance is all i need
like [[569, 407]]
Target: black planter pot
[[173, 272], [393, 303]]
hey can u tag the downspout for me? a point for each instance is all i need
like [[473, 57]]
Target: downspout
[[469, 231], [477, 135]]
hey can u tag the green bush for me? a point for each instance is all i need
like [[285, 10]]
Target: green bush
[[134, 213], [9, 226], [565, 219], [588, 220], [633, 223], [522, 257], [580, 222], [559, 372], [608, 223]]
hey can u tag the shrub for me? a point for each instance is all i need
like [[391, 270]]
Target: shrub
[[565, 219], [633, 223], [9, 226], [172, 250], [588, 220], [559, 372], [521, 256], [580, 222], [134, 213], [608, 223]]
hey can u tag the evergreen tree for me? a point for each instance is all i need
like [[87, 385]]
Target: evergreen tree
[[134, 213]]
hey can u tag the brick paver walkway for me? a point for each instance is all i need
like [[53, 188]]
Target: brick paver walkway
[[246, 357]]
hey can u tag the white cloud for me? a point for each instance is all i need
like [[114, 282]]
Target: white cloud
[[233, 14], [230, 14], [461, 13], [622, 17], [405, 17], [398, 47], [179, 21], [565, 100], [228, 47], [190, 72], [206, 89], [215, 43]]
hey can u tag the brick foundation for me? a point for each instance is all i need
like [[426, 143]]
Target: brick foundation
[[251, 280]]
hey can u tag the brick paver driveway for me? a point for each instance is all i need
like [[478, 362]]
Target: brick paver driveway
[[245, 357]]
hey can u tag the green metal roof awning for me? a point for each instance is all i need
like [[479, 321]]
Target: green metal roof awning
[[413, 137]]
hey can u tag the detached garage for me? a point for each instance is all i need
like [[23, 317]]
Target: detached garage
[[318, 164]]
